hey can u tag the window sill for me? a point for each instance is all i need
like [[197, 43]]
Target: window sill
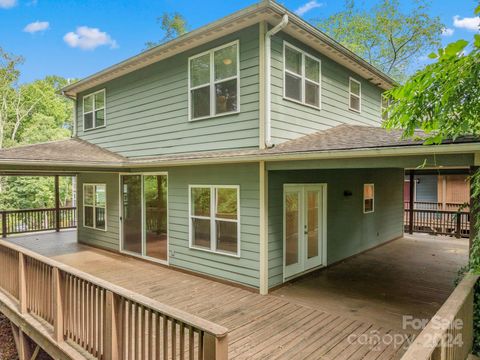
[[237, 256], [355, 110], [93, 228], [302, 103], [214, 116]]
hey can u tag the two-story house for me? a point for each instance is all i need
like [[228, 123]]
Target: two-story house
[[249, 150]]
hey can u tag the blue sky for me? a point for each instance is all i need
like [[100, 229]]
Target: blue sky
[[77, 38]]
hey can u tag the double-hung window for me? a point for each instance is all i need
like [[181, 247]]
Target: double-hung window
[[355, 92], [301, 76], [95, 206], [368, 198], [214, 82], [94, 110], [215, 218]]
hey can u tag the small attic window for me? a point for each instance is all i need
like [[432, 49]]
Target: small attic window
[[355, 90]]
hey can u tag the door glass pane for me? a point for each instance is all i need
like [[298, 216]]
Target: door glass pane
[[132, 213], [291, 228], [312, 223], [155, 192]]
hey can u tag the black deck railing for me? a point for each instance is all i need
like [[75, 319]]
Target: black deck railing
[[438, 222], [34, 220]]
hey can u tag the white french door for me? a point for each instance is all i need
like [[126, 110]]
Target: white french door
[[304, 227]]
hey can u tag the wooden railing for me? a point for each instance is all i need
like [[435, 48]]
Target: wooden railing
[[102, 319], [430, 205], [449, 334], [438, 222], [33, 220]]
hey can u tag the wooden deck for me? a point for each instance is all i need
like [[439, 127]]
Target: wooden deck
[[317, 317]]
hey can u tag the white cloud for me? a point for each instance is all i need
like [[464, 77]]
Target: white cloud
[[37, 26], [472, 23], [447, 32], [307, 7], [6, 4], [87, 38]]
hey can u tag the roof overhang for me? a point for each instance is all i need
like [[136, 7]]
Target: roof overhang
[[255, 156], [266, 10]]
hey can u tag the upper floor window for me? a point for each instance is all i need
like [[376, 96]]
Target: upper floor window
[[94, 110], [355, 90], [301, 76], [95, 206], [214, 82]]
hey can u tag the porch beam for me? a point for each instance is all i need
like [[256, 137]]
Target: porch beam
[[57, 203], [263, 228], [411, 203]]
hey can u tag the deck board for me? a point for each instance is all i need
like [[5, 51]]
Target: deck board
[[315, 317]]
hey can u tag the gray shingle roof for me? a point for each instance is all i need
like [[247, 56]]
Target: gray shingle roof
[[70, 150], [339, 138]]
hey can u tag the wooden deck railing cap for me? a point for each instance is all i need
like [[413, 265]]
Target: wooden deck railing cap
[[180, 315]]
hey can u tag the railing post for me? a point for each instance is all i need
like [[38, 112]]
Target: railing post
[[458, 229], [57, 203], [113, 327], [57, 305], [22, 284], [4, 224], [215, 348]]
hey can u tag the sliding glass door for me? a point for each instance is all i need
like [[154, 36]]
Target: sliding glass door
[[132, 213], [145, 215]]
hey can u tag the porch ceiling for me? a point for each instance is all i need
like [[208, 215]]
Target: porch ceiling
[[340, 142]]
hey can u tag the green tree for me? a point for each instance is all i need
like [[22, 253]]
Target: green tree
[[443, 100], [384, 35], [172, 26]]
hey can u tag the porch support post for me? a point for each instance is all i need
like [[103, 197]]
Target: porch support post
[[411, 202], [263, 228], [57, 203], [474, 207]]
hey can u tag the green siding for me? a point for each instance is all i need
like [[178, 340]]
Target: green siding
[[349, 230], [147, 110], [244, 270], [106, 239], [291, 120]]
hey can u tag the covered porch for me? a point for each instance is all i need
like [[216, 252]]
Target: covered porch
[[316, 317]]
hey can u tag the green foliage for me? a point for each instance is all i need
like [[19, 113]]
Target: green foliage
[[26, 192], [31, 113], [172, 26], [386, 37], [443, 100]]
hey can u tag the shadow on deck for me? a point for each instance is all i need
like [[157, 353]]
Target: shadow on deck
[[326, 315]]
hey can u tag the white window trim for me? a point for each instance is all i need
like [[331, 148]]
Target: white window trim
[[373, 199], [93, 111], [302, 76], [94, 206], [359, 96], [212, 83], [212, 218]]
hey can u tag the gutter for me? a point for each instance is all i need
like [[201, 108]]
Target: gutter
[[268, 80]]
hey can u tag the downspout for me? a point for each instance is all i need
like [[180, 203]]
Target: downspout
[[268, 85]]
